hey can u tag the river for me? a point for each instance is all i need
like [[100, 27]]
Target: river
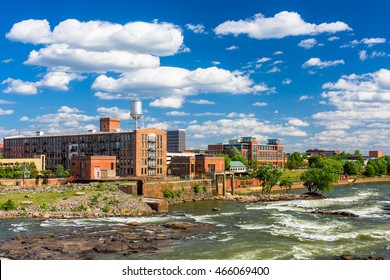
[[266, 230]]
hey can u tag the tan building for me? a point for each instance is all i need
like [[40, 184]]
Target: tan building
[[141, 152], [93, 167], [109, 124], [39, 161]]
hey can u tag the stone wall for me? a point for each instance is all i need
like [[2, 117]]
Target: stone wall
[[31, 183], [179, 190]]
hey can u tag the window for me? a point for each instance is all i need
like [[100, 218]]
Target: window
[[112, 166]]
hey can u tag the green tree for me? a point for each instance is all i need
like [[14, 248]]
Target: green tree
[[316, 179], [287, 183], [370, 171], [235, 155], [59, 170], [269, 176], [351, 168], [295, 161]]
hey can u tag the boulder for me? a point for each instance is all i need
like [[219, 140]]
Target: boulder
[[79, 193], [179, 225], [27, 202]]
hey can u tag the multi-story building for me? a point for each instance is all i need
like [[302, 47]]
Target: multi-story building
[[323, 153], [196, 166], [176, 141], [375, 154], [141, 152], [272, 152]]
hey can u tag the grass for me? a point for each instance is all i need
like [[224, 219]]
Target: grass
[[293, 174]]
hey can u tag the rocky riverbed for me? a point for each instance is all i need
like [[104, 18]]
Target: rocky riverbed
[[107, 242], [86, 202]]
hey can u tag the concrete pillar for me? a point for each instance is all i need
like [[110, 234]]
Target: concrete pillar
[[233, 186]]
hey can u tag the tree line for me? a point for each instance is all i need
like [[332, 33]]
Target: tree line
[[29, 170]]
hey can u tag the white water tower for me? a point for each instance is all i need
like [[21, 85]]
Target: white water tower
[[136, 110]]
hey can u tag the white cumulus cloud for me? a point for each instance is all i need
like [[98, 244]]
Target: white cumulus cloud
[[318, 63], [308, 43], [281, 25]]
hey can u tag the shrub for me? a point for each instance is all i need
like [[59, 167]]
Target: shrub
[[197, 188], [100, 185], [9, 205], [169, 193], [106, 208], [205, 188], [44, 207], [95, 199]]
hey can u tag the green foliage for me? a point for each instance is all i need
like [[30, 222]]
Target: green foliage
[[18, 171], [106, 208], [172, 194], [317, 179], [351, 168], [295, 161], [95, 199], [44, 207], [113, 202], [235, 155], [8, 205], [204, 188], [269, 175], [370, 171], [100, 185], [196, 188], [286, 182]]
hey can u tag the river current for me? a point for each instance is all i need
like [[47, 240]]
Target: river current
[[266, 230]]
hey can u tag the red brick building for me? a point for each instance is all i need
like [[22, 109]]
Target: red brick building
[[93, 167], [140, 152], [197, 166], [272, 152], [375, 154]]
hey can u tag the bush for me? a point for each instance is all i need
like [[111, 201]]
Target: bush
[[95, 199], [9, 205], [44, 207], [169, 193], [197, 188], [106, 208]]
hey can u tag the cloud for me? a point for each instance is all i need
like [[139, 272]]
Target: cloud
[[232, 48], [202, 102], [240, 115], [19, 86], [66, 109], [62, 57], [215, 62], [168, 102], [177, 113], [297, 122], [6, 112], [260, 104], [366, 41], [333, 38], [308, 43], [274, 70], [115, 112], [177, 82], [305, 97], [228, 128], [358, 100], [363, 55], [6, 102], [278, 53], [316, 62], [263, 59], [281, 25], [287, 82], [53, 80], [9, 60], [160, 39], [198, 28]]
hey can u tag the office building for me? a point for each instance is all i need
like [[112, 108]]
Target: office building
[[272, 152], [141, 152], [176, 141]]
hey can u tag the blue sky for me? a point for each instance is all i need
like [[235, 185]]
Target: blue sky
[[315, 74]]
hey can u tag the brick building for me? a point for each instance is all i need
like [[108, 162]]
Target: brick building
[[93, 167], [141, 152], [196, 166], [272, 152], [375, 154]]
